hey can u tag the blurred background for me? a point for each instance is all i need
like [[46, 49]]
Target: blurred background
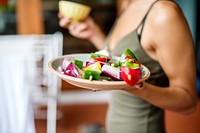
[[39, 102]]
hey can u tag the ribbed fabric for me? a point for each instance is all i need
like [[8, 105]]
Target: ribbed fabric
[[128, 113]]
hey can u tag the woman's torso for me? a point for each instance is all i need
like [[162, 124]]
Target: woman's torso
[[124, 34], [128, 113]]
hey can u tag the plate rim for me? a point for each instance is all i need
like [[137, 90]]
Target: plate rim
[[68, 78]]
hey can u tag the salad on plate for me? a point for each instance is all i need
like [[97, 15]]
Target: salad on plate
[[102, 66]]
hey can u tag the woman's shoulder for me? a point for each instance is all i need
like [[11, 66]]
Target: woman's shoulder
[[164, 12], [166, 22]]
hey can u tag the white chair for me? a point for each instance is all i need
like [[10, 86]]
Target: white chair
[[23, 72]]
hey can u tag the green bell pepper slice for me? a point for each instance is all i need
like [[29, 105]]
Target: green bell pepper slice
[[126, 53], [93, 55], [91, 74], [78, 63]]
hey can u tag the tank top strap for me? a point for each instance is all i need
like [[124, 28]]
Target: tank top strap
[[142, 23]]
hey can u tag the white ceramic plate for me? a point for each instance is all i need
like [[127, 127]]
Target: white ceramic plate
[[94, 84]]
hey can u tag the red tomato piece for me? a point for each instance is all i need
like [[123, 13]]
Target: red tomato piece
[[102, 59], [130, 76]]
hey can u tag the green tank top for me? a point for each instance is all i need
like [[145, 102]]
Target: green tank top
[[128, 113], [132, 41]]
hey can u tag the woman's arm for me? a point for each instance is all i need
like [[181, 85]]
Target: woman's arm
[[173, 48]]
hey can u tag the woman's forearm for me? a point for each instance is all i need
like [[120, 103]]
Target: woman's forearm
[[98, 38], [171, 98]]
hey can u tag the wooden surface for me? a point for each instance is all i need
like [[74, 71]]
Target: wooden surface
[[67, 86], [75, 116], [29, 17], [176, 123]]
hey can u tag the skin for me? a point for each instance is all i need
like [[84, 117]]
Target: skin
[[166, 38]]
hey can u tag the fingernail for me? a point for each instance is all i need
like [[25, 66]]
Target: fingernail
[[141, 85]]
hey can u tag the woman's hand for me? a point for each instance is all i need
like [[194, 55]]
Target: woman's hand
[[83, 30], [64, 21], [135, 88], [86, 29]]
